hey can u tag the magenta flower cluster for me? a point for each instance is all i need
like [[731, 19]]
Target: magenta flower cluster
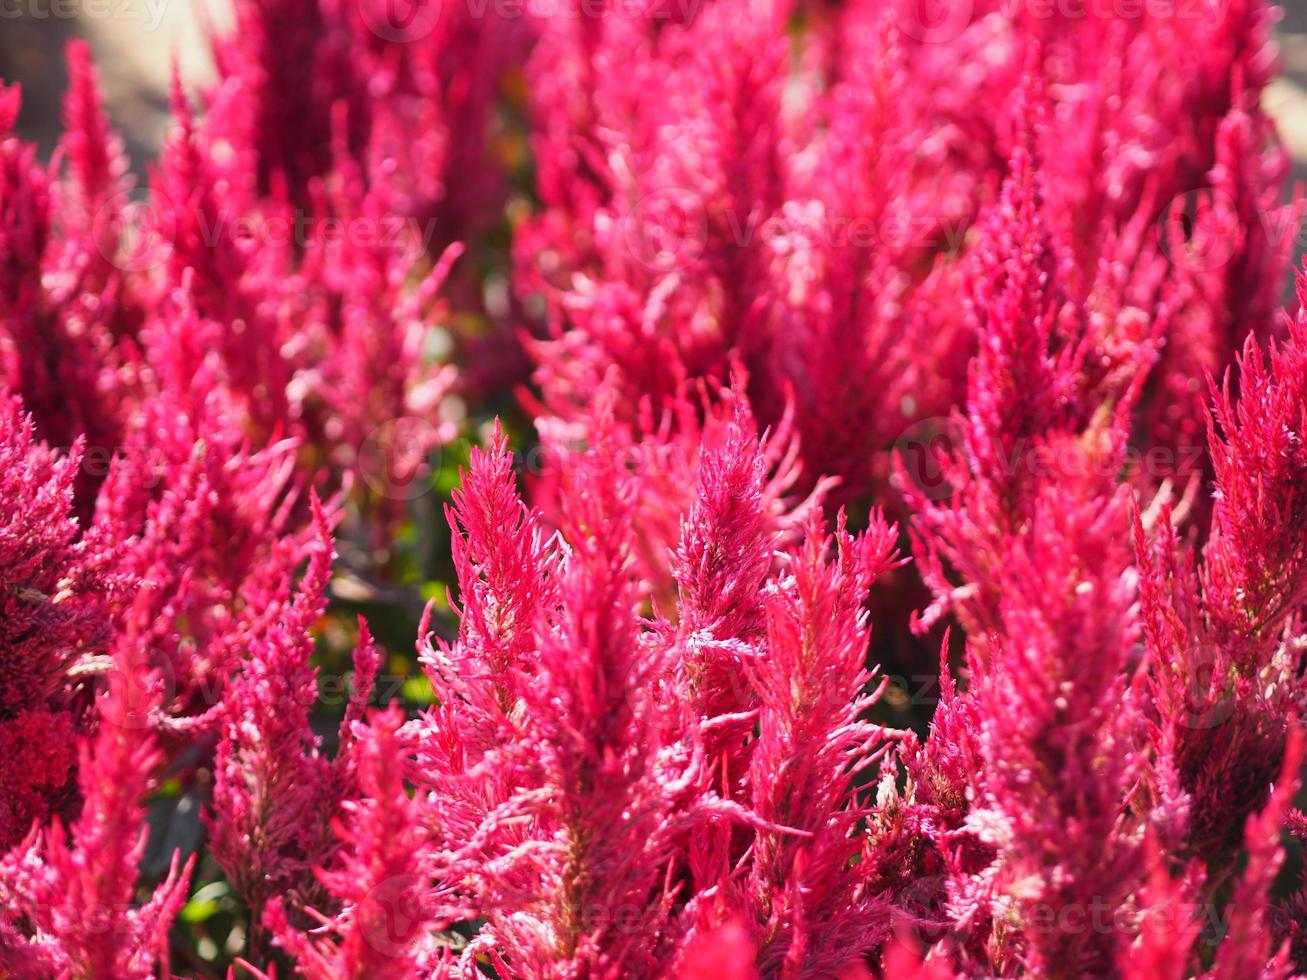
[[768, 353]]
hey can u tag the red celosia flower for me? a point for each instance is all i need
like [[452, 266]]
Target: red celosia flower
[[36, 776], [1222, 636], [69, 893], [65, 305], [379, 878], [815, 912], [762, 251], [273, 798], [53, 611], [1037, 534]]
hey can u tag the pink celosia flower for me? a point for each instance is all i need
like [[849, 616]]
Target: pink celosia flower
[[781, 268], [69, 893], [273, 798], [571, 865], [1037, 534], [66, 306], [814, 911], [53, 611], [379, 879], [1221, 634]]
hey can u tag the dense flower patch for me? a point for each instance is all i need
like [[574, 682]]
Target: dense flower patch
[[876, 539]]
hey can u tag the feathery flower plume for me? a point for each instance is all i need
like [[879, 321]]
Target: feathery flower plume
[[273, 799], [815, 913], [1039, 574], [378, 878], [70, 893], [54, 593], [1221, 631]]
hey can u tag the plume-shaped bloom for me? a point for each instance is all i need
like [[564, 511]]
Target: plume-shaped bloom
[[67, 306], [273, 798], [70, 893], [574, 859], [55, 588], [1221, 629], [1039, 574], [814, 911], [379, 878], [208, 522]]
